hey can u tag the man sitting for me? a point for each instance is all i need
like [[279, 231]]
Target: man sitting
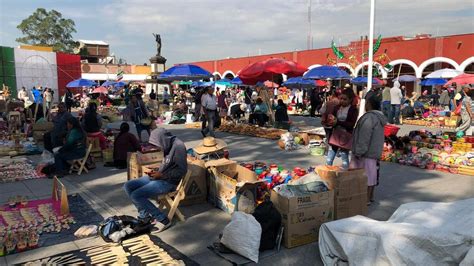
[[259, 115], [281, 115], [55, 137], [160, 181]]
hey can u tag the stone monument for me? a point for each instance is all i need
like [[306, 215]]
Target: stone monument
[[157, 67]]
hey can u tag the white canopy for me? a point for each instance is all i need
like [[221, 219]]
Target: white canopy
[[445, 73]]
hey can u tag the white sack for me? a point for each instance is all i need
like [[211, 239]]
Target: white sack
[[419, 233], [242, 235]]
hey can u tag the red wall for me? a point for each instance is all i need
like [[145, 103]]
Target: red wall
[[69, 69], [416, 50]]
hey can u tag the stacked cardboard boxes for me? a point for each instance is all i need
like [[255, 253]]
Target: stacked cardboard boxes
[[350, 190], [302, 216]]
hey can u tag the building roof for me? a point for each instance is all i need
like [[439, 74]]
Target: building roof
[[93, 42]]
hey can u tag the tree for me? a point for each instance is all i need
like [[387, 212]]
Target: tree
[[48, 28]]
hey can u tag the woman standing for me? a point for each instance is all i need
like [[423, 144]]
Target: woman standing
[[138, 112], [368, 141], [342, 122], [466, 109]]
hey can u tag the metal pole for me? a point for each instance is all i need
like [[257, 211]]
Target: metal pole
[[371, 55]]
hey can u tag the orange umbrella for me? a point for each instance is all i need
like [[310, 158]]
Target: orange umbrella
[[102, 90], [462, 79]]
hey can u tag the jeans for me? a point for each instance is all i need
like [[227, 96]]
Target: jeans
[[395, 119], [210, 118], [141, 189], [332, 154], [386, 109]]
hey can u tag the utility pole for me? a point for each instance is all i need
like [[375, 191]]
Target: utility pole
[[310, 34]]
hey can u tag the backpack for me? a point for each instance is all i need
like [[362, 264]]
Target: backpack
[[270, 221], [118, 228]]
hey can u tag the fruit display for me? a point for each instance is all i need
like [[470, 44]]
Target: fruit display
[[250, 130]]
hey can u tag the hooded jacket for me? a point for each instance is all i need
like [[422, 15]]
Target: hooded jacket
[[368, 135], [396, 93], [174, 165]]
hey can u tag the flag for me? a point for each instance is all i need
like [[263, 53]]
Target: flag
[[119, 75]]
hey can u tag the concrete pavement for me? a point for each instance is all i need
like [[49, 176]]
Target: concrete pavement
[[102, 188]]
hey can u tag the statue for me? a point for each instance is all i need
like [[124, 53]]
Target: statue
[[158, 44]]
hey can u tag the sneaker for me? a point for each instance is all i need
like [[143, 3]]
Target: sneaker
[[161, 226]]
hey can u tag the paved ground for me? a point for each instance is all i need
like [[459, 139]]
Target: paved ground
[[102, 187]]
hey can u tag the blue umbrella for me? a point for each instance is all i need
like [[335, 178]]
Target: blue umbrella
[[236, 81], [81, 83], [406, 78], [120, 84], [108, 83], [299, 82], [197, 84], [326, 72], [185, 72], [363, 80], [433, 82], [225, 82]]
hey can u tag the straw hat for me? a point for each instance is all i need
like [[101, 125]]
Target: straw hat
[[210, 144]]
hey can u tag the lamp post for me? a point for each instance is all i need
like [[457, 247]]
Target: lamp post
[[371, 55]]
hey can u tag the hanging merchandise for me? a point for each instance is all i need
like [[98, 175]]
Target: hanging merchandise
[[336, 51]]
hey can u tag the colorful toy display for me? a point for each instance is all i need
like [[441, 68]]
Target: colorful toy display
[[17, 169]]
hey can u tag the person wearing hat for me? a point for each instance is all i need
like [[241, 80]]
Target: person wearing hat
[[209, 145], [209, 110], [159, 181]]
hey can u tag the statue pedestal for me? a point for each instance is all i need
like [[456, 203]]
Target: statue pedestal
[[157, 67]]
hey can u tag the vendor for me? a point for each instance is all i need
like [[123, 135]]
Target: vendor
[[237, 110], [55, 137], [74, 147], [92, 123], [259, 115], [281, 115], [124, 143], [466, 109], [160, 181], [138, 112]]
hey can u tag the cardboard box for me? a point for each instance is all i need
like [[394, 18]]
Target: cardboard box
[[134, 168], [231, 186], [196, 191], [302, 216], [350, 190], [149, 158]]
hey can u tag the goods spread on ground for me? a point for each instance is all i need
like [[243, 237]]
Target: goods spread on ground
[[250, 130], [17, 169], [424, 149], [22, 222], [434, 117]]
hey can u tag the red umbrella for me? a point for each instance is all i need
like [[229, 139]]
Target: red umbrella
[[103, 90], [462, 79], [320, 83], [265, 70], [270, 84]]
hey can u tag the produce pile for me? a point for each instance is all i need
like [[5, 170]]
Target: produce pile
[[441, 151], [250, 130], [16, 170]]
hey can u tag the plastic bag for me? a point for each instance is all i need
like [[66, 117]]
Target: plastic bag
[[242, 235], [47, 158]]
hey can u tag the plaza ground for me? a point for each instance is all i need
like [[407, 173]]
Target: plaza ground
[[102, 188]]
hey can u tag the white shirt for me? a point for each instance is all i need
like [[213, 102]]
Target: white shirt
[[395, 95], [209, 102]]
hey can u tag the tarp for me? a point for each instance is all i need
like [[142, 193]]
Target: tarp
[[419, 233]]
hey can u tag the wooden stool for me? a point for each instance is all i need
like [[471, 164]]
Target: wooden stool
[[171, 200], [80, 164], [96, 151]]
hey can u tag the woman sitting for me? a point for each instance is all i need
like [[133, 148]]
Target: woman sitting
[[281, 115], [92, 123], [74, 148], [259, 114], [159, 181], [124, 142]]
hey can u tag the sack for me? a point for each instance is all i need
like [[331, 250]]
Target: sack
[[270, 220], [118, 228], [458, 109], [242, 235], [341, 138]]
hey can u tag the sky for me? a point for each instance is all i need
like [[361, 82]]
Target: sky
[[193, 30]]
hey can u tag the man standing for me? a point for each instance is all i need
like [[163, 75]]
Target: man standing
[[166, 97], [444, 99], [48, 98], [395, 100], [386, 102], [23, 95], [209, 109]]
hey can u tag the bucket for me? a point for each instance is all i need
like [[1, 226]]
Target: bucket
[[317, 151], [390, 130]]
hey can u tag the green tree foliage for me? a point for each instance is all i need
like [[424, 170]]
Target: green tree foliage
[[48, 28]]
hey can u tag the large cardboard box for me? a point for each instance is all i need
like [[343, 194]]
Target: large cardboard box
[[350, 190], [231, 186], [302, 216], [150, 157], [196, 191]]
